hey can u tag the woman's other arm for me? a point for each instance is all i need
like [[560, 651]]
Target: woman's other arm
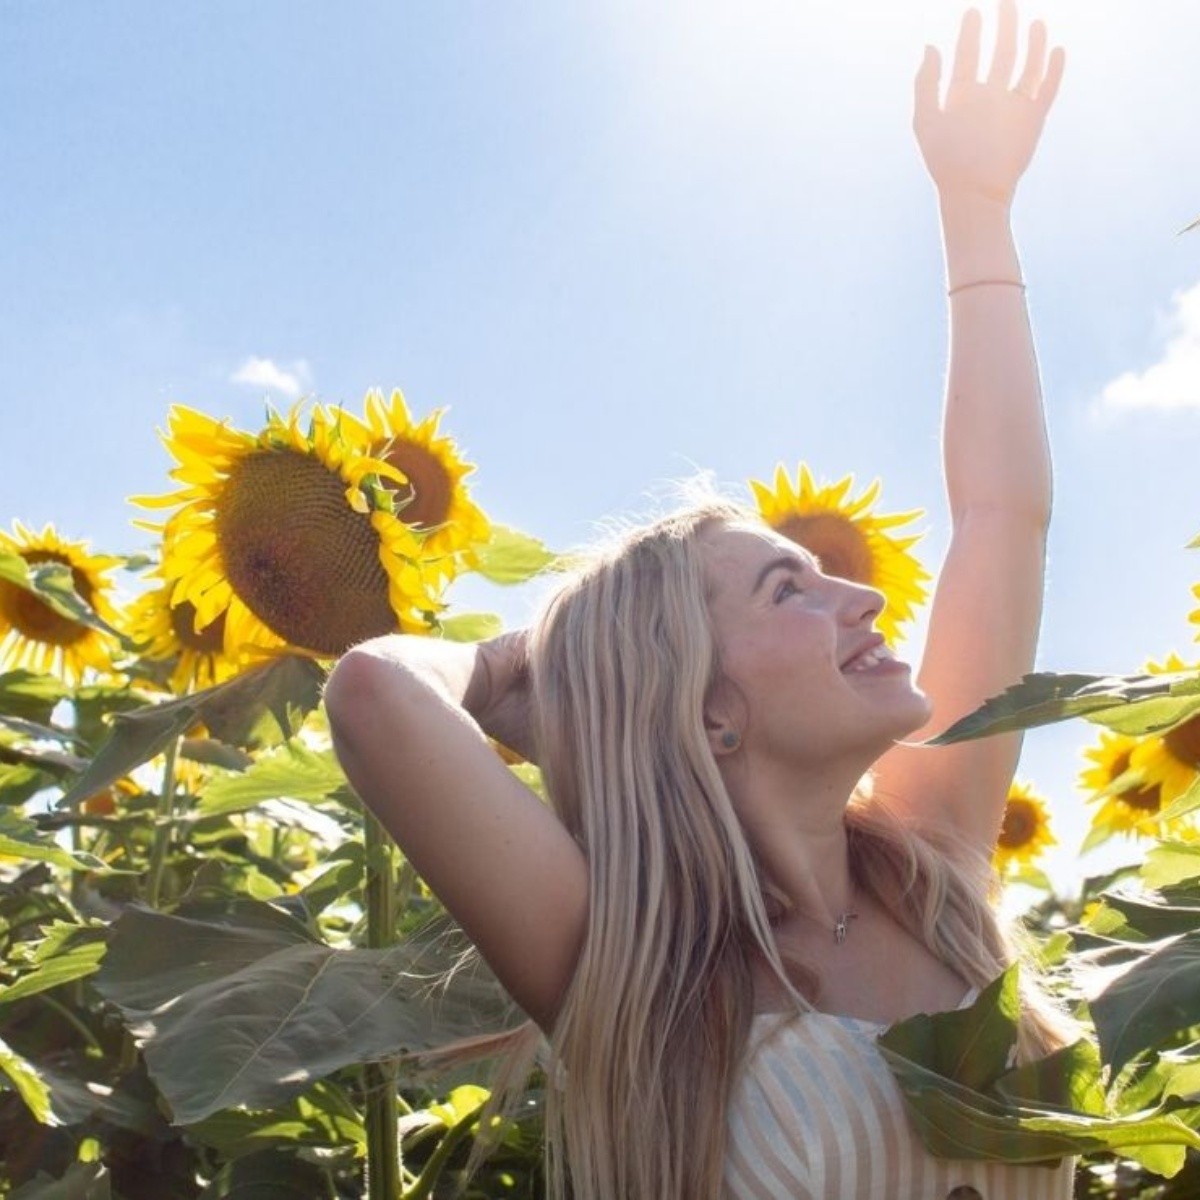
[[987, 605], [409, 717]]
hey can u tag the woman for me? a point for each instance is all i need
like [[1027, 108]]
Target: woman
[[736, 830]]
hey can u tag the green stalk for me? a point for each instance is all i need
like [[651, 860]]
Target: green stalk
[[383, 1142], [163, 825]]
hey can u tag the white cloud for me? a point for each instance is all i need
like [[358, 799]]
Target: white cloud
[[291, 378], [1174, 381]]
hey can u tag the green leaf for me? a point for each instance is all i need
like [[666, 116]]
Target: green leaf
[[19, 838], [38, 729], [1069, 1079], [53, 584], [270, 1175], [292, 771], [82, 1181], [29, 1085], [1172, 1073], [971, 1045], [1184, 804], [20, 781], [1168, 863], [229, 1017], [344, 875], [1139, 1003], [1133, 704], [513, 557], [1146, 917], [29, 695], [471, 627], [259, 707], [323, 1116], [68, 952]]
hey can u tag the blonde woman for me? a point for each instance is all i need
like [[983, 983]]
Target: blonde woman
[[743, 876]]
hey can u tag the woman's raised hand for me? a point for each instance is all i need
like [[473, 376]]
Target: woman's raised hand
[[981, 138]]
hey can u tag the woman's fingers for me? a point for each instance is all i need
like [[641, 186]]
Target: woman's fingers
[[925, 86], [1004, 57], [1035, 61], [966, 53], [1054, 74]]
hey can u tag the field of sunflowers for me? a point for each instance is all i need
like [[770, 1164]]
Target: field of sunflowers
[[221, 979]]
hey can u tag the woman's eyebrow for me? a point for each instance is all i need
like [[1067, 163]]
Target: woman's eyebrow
[[790, 562]]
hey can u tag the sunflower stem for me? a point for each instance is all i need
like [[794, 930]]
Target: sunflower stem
[[384, 1168], [163, 826]]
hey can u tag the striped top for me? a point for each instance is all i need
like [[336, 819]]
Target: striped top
[[817, 1115]]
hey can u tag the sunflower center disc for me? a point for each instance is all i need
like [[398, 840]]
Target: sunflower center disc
[[1184, 742], [425, 502], [298, 556], [34, 618], [842, 548], [1019, 825]]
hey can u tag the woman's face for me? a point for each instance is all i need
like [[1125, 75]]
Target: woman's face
[[790, 641]]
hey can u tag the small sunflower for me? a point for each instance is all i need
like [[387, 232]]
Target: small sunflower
[[430, 496], [1171, 760], [848, 538], [1024, 831], [1134, 809], [163, 632], [289, 535], [34, 635]]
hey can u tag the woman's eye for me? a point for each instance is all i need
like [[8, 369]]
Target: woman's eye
[[786, 588]]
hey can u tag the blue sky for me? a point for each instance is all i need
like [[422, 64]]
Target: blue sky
[[620, 241]]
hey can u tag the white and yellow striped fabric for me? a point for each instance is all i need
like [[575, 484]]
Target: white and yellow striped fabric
[[817, 1115]]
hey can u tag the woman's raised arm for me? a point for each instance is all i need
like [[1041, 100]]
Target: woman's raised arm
[[408, 717], [987, 605]]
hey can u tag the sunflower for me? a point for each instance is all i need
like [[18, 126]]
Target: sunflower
[[35, 635], [430, 496], [1171, 760], [289, 535], [163, 632], [1135, 808], [848, 538], [1024, 831]]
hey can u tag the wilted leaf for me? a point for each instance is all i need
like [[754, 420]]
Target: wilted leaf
[[1133, 704], [513, 557]]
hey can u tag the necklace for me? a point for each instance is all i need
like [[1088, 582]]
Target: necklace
[[841, 928]]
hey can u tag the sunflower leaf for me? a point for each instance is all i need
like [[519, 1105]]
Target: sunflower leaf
[[292, 770], [259, 707], [1139, 1002], [82, 1181], [29, 1085], [67, 953], [30, 695], [1188, 802], [1113, 700], [1169, 863], [239, 1011], [471, 627], [510, 556], [19, 838]]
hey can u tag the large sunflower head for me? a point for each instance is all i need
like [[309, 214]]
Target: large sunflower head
[[430, 493], [1024, 831], [166, 633], [849, 539], [1134, 808], [39, 637], [290, 535]]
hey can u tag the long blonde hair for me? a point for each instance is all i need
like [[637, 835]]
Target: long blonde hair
[[654, 1024]]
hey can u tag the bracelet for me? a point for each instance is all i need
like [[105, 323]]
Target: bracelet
[[981, 282]]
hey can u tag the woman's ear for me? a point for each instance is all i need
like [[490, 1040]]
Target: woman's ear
[[721, 725]]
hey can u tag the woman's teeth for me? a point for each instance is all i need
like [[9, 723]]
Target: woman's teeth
[[869, 659]]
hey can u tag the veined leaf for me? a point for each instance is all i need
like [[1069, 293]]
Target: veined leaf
[[1133, 704], [227, 1019], [292, 770], [30, 695], [1139, 1004], [29, 1085], [513, 557], [1147, 917], [53, 584], [259, 707]]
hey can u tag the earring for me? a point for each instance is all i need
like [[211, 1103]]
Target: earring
[[730, 739]]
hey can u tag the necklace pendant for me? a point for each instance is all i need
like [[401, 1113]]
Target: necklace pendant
[[840, 929]]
